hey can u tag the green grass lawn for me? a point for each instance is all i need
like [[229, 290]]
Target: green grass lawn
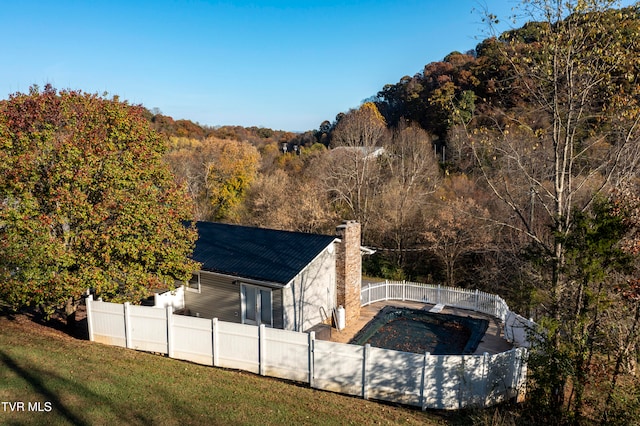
[[93, 384]]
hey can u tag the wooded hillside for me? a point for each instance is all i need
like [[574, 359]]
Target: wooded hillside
[[512, 168]]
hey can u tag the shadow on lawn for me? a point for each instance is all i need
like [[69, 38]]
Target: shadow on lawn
[[78, 329], [35, 378], [41, 388]]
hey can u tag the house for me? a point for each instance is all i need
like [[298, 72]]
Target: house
[[365, 152], [286, 280]]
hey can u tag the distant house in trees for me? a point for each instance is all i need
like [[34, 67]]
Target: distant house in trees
[[286, 280], [367, 152]]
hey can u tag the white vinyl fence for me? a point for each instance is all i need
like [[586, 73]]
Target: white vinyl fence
[[423, 380], [516, 327]]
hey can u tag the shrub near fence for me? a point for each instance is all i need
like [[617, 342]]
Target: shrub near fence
[[424, 380]]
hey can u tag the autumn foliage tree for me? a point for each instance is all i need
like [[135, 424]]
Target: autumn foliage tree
[[230, 175], [549, 156], [410, 174], [623, 336], [456, 226], [85, 202], [291, 195], [217, 173]]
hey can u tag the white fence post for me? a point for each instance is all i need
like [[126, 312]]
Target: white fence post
[[127, 326], [508, 328], [423, 381], [519, 379], [485, 377], [88, 302], [170, 343], [438, 295], [262, 347], [515, 374], [477, 300], [365, 379], [214, 342], [311, 343]]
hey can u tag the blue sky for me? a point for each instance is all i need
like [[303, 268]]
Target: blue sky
[[285, 65]]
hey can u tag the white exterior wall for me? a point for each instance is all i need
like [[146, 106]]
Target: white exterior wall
[[173, 298], [314, 288]]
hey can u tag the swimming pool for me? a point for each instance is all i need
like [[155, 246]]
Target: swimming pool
[[420, 331]]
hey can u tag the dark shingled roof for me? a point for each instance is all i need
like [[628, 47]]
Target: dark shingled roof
[[256, 253]]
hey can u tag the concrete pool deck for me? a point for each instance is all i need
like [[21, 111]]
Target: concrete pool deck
[[492, 342]]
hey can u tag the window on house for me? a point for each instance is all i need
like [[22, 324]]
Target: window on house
[[194, 283]]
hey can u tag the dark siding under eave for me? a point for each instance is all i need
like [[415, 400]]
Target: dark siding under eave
[[219, 298]]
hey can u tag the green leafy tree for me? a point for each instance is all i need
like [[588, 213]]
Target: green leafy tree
[[85, 202], [595, 264]]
